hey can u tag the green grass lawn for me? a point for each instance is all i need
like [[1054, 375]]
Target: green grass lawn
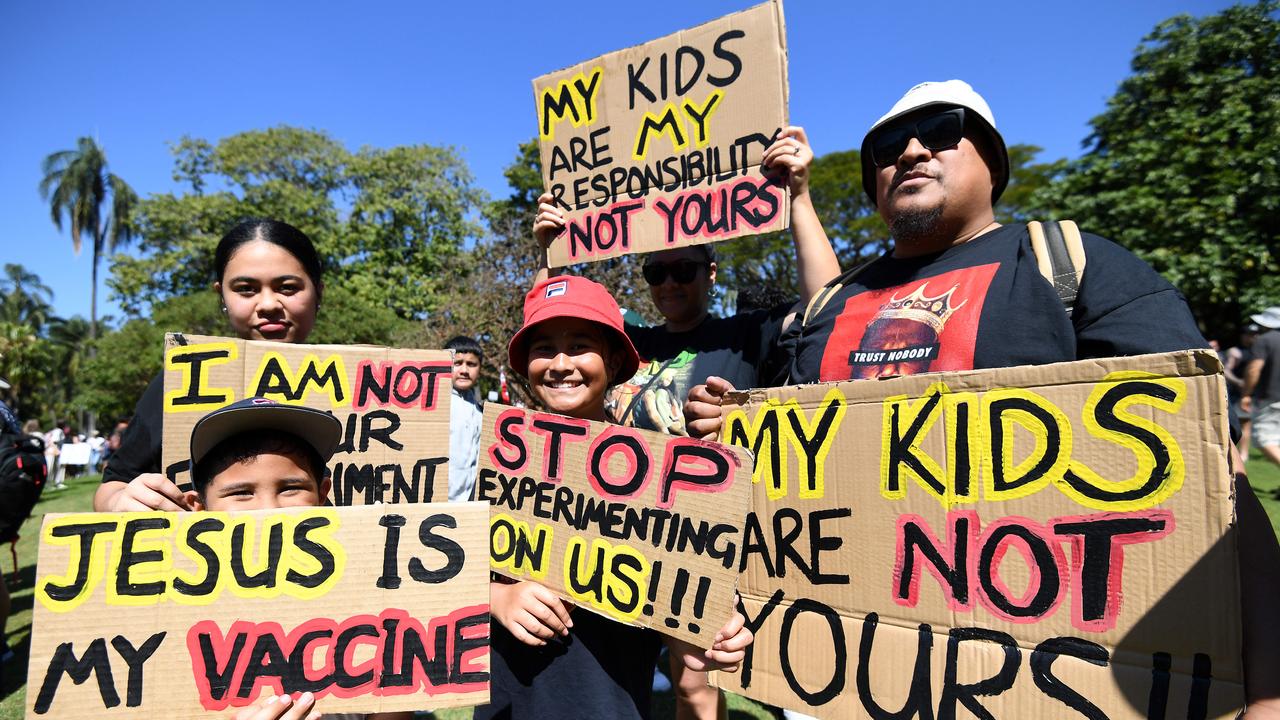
[[78, 497]]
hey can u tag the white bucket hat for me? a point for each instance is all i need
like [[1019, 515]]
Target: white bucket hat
[[1269, 318], [951, 93]]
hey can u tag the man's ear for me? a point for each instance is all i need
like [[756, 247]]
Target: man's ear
[[711, 272], [326, 485], [194, 501]]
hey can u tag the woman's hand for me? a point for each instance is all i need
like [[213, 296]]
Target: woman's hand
[[790, 154], [529, 611], [549, 222]]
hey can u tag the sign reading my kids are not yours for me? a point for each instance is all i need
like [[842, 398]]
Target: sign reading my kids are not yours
[[659, 146], [638, 526], [393, 404], [1023, 542], [192, 615]]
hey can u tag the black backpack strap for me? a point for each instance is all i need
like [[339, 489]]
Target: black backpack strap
[[1059, 251]]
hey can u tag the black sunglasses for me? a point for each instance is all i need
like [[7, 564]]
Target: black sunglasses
[[936, 132], [682, 271]]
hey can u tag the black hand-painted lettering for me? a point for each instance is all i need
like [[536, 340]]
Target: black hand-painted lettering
[[900, 450], [341, 676], [219, 679], [213, 565], [754, 624], [914, 538], [968, 693], [1053, 442], [819, 543], [453, 553], [509, 435], [135, 659], [729, 56], [322, 555], [555, 430], [1041, 555], [462, 644], [130, 557], [1098, 536], [919, 702], [713, 473], [597, 464], [1047, 652], [265, 577], [390, 578], [1105, 415], [266, 659], [94, 662], [195, 377], [833, 687], [88, 534]]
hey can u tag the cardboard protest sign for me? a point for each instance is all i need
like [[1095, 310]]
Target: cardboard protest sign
[[1033, 541], [180, 615], [393, 404], [638, 526], [659, 146]]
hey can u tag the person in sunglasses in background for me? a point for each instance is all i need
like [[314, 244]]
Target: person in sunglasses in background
[[692, 345], [959, 291]]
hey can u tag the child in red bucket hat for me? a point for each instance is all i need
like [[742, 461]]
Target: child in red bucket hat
[[547, 661]]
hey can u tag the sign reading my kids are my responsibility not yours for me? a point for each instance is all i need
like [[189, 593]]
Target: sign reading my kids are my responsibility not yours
[[660, 145], [638, 526], [393, 404], [193, 615]]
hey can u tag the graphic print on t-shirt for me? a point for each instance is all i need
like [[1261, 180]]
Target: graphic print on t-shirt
[[925, 325], [653, 399]]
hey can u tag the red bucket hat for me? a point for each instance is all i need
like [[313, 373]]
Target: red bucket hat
[[571, 296]]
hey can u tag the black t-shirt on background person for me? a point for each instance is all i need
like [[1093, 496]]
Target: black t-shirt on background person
[[1266, 347], [139, 450], [603, 669], [984, 304], [737, 348]]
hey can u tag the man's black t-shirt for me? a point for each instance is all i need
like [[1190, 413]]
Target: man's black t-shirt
[[1266, 347], [735, 348], [984, 304], [603, 669], [139, 450]]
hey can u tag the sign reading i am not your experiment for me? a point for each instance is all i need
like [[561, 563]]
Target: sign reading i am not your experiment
[[393, 404], [659, 146], [642, 527]]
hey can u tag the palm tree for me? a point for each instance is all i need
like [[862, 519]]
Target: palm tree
[[24, 299], [78, 185]]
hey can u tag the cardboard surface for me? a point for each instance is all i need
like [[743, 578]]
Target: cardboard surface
[[641, 527], [191, 615], [1052, 541], [393, 404], [659, 145]]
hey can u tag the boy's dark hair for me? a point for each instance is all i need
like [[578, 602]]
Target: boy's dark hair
[[248, 445], [464, 344]]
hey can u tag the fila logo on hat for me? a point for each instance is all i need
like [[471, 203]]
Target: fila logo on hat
[[556, 289]]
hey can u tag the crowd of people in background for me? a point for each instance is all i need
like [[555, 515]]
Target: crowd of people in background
[[957, 289]]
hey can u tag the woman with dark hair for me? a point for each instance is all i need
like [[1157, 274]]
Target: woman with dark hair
[[268, 276]]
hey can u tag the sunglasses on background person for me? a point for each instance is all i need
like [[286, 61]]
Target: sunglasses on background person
[[936, 132], [682, 271]]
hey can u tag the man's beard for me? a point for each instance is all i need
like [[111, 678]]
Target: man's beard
[[915, 225]]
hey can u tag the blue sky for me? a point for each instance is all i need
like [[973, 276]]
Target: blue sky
[[140, 75]]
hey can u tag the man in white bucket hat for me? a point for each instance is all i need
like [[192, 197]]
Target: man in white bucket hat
[[959, 291], [1261, 390]]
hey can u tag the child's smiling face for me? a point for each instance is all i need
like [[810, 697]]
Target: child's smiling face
[[268, 481], [571, 364]]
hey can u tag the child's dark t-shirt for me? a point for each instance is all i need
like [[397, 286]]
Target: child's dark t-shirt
[[603, 670]]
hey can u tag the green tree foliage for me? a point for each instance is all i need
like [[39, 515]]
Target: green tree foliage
[[94, 201], [389, 223], [24, 298], [1182, 167]]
